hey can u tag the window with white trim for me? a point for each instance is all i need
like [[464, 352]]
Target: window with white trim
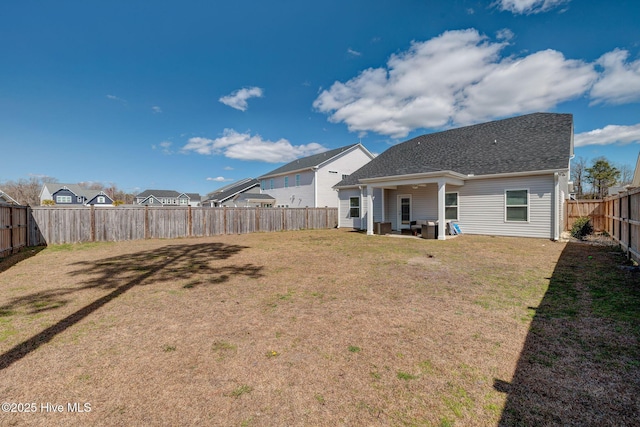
[[63, 199], [451, 206], [354, 207], [183, 202], [516, 205], [101, 199], [263, 184], [297, 180], [286, 182]]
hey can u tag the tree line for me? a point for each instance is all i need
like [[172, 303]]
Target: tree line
[[27, 191], [592, 181]]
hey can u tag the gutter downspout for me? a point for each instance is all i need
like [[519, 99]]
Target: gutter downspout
[[556, 207], [315, 187]]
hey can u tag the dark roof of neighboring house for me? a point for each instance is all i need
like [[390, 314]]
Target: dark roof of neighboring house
[[308, 162], [538, 141], [223, 193], [255, 196], [167, 193]]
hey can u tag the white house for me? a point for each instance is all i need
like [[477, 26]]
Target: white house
[[308, 182], [505, 178]]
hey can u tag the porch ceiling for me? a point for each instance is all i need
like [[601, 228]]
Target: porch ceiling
[[446, 177]]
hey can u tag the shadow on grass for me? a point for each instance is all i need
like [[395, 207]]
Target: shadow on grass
[[580, 364], [121, 273], [11, 260]]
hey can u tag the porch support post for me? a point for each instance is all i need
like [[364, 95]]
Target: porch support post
[[442, 226], [382, 206], [369, 210]]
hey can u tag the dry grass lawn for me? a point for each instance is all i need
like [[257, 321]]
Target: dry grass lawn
[[321, 328]]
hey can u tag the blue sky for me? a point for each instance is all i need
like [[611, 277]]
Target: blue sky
[[191, 95]]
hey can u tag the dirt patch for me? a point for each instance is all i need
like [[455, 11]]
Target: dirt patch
[[294, 328]]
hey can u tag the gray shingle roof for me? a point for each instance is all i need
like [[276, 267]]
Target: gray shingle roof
[[255, 196], [538, 141], [159, 193], [167, 193], [227, 191], [308, 162]]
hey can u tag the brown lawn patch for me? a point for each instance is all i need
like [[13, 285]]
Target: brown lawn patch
[[317, 328]]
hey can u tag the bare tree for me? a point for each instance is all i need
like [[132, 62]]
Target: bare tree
[[578, 168], [626, 174], [27, 191]]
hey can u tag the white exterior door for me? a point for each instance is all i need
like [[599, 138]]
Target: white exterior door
[[404, 211]]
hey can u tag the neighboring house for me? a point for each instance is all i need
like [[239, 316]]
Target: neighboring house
[[6, 199], [635, 182], [507, 177], [308, 182], [73, 194], [243, 193], [167, 198]]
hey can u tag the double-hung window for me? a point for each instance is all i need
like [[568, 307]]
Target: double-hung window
[[451, 206], [63, 199], [297, 180], [286, 182], [517, 205], [354, 207], [101, 199]]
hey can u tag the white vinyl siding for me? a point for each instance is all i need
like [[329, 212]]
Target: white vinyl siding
[[484, 207], [344, 210]]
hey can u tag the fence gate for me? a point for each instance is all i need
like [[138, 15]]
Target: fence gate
[[13, 229]]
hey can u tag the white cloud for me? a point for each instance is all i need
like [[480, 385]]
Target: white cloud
[[238, 99], [354, 52], [118, 99], [156, 109], [620, 80], [458, 78], [228, 168], [244, 146], [219, 179], [165, 146], [611, 134], [528, 7]]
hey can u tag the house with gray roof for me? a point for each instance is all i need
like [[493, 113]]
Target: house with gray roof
[[507, 177], [243, 193], [309, 181], [167, 198], [73, 194], [6, 199]]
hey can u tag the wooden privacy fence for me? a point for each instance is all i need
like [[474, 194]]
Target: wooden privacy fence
[[594, 209], [56, 225], [13, 229], [622, 213]]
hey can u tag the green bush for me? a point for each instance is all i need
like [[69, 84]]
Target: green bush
[[582, 227]]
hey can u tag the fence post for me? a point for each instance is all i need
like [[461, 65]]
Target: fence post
[[189, 222], [628, 225], [224, 222], [146, 222], [93, 223], [11, 231], [257, 219]]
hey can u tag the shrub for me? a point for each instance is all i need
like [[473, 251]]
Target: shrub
[[582, 227]]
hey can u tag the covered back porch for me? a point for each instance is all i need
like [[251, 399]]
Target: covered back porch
[[410, 200]]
